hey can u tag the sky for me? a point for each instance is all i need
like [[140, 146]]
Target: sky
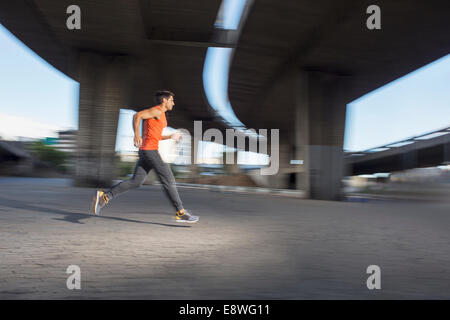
[[36, 100], [217, 61], [33, 94], [415, 104]]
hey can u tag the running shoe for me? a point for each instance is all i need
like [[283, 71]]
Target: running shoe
[[184, 216], [100, 200]]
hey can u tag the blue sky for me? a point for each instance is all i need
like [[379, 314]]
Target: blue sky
[[414, 104], [217, 61], [30, 89], [229, 15]]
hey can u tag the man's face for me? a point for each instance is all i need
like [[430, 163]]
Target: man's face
[[170, 103]]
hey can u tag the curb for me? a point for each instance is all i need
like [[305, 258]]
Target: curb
[[240, 189]]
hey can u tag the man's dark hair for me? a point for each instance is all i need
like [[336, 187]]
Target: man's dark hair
[[159, 95]]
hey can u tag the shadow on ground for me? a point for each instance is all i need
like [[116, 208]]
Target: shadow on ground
[[73, 217]]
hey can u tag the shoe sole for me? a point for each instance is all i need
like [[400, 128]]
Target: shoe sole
[[95, 202], [186, 221]]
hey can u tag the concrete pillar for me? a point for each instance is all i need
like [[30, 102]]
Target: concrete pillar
[[301, 131], [232, 168], [104, 89], [319, 133], [281, 179], [194, 169]]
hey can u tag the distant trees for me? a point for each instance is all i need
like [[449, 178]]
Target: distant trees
[[49, 155], [125, 168]]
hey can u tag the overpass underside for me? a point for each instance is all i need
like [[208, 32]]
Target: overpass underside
[[123, 53], [418, 153], [295, 67], [299, 73]]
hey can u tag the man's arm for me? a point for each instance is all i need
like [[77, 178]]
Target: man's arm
[[175, 136], [138, 117]]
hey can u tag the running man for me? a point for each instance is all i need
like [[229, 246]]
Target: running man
[[149, 158]]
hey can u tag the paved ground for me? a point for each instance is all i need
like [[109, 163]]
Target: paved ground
[[244, 247]]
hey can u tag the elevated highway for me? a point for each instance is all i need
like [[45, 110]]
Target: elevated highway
[[295, 66], [426, 150], [299, 63]]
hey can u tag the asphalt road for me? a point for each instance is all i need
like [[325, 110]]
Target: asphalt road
[[245, 246]]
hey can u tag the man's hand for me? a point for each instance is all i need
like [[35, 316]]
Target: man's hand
[[137, 141], [176, 136]]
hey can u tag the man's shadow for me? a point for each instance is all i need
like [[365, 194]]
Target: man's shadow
[[74, 217]]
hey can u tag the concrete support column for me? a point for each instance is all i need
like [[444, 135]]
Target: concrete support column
[[194, 169], [233, 168], [319, 133], [281, 180], [104, 89], [301, 131]]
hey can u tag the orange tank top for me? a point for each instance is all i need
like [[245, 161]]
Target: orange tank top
[[152, 131]]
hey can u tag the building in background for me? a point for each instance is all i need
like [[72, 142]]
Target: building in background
[[66, 141]]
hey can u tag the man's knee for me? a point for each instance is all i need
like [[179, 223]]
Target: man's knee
[[141, 182], [167, 180], [136, 182], [134, 185]]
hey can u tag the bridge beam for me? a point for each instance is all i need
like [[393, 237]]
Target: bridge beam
[[103, 90]]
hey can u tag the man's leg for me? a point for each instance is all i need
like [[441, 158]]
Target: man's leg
[[168, 181], [140, 173], [166, 177]]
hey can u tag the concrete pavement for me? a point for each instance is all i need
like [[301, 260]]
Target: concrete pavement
[[246, 246]]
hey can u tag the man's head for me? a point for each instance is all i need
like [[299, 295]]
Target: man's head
[[165, 99]]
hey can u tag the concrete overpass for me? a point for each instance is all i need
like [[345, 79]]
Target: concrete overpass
[[123, 53], [296, 65], [426, 150]]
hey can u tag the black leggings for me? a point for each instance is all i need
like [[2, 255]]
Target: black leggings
[[148, 160]]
